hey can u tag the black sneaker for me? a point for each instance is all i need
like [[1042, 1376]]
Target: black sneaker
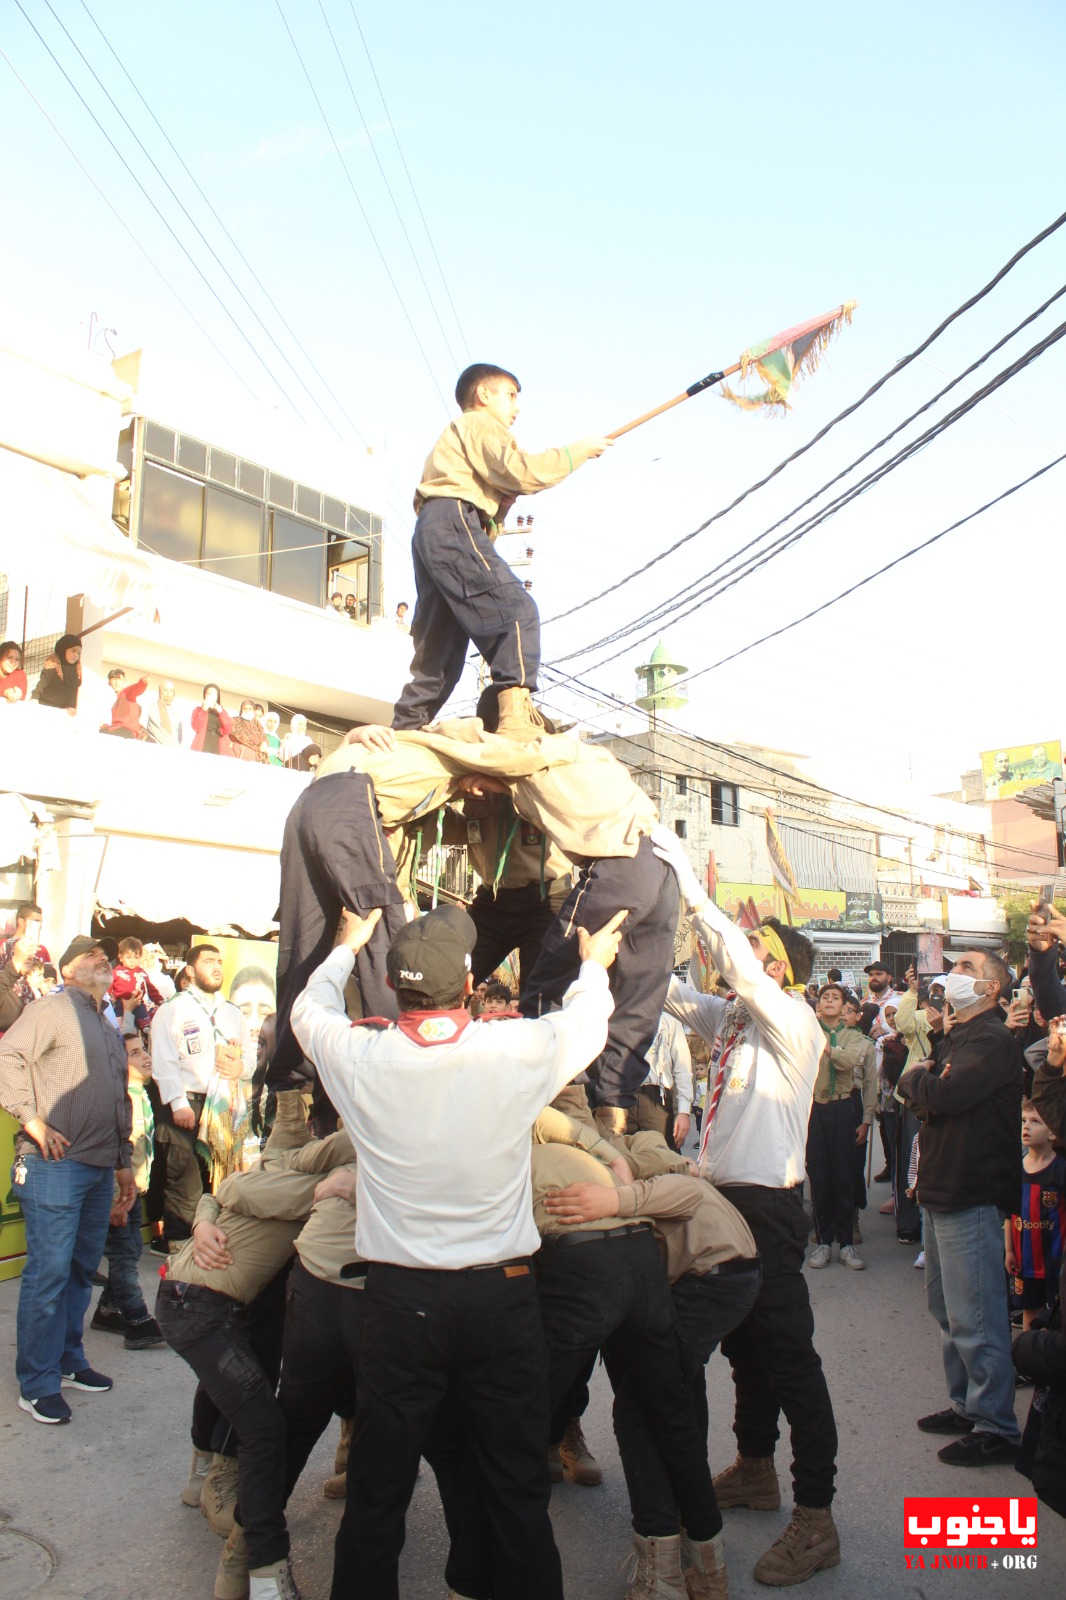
[[945, 1422], [92, 1382], [158, 1245], [978, 1449], [51, 1408], [144, 1335], [108, 1319]]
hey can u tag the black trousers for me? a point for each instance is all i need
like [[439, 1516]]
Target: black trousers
[[207, 1330], [333, 856], [707, 1309], [860, 1153], [775, 1365], [466, 593], [320, 1359], [262, 1324], [513, 919], [471, 1339], [831, 1169], [640, 976], [612, 1295]]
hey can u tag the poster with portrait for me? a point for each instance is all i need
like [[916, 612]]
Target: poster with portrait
[[249, 979], [1017, 767]]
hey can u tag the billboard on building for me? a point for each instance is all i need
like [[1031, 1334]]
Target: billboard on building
[[811, 905], [1017, 767]]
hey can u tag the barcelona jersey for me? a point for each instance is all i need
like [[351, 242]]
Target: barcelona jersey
[[1038, 1230]]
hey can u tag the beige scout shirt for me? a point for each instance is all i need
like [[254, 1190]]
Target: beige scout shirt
[[531, 857], [578, 794], [849, 1061], [476, 459], [697, 1224], [554, 1167], [260, 1212], [326, 1243]]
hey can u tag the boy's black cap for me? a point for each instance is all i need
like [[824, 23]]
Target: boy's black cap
[[79, 946], [878, 966], [432, 954]]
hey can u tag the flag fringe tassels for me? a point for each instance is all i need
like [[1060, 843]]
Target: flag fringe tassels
[[788, 356], [779, 361]]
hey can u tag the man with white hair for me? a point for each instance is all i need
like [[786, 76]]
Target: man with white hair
[[63, 1075]]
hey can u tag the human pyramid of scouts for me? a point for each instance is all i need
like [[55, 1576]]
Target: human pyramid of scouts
[[450, 1220]]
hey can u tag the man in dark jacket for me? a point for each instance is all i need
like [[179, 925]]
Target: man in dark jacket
[[969, 1173]]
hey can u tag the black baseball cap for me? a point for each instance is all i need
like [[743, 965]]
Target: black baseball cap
[[877, 966], [432, 954], [79, 946]]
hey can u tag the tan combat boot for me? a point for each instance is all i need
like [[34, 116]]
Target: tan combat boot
[[809, 1543], [751, 1481], [290, 1130], [201, 1461], [658, 1574], [518, 717], [579, 1464], [219, 1494], [336, 1487], [611, 1120], [231, 1579], [703, 1563], [555, 1465]]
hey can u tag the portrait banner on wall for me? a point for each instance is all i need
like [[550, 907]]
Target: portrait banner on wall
[[1017, 767]]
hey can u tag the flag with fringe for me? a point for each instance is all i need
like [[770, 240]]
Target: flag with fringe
[[779, 361]]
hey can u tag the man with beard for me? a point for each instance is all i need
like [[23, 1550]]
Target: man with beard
[[63, 1075]]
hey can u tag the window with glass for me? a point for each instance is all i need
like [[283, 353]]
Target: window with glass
[[297, 564], [233, 537], [725, 804], [172, 514]]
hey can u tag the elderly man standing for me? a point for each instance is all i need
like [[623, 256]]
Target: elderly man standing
[[63, 1075], [969, 1170]]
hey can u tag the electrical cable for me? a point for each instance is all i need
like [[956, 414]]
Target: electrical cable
[[385, 179], [117, 214], [667, 608], [177, 240], [359, 203], [407, 171], [886, 377], [250, 269]]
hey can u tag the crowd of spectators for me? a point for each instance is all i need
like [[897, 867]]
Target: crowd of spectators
[[154, 715]]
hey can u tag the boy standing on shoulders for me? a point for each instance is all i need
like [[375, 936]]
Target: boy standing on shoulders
[[466, 592]]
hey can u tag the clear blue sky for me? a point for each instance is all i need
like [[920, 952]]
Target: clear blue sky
[[624, 197]]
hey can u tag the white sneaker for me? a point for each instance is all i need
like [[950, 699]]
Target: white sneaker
[[819, 1256], [850, 1257], [919, 1260]]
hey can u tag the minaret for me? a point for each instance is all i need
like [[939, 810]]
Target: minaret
[[659, 676]]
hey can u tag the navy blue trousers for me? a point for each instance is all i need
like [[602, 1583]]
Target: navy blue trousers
[[466, 593]]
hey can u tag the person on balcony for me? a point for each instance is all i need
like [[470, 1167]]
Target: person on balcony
[[295, 743], [247, 736], [211, 724], [12, 677], [60, 677], [125, 713]]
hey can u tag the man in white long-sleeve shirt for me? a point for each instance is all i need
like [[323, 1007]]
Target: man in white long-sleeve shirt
[[664, 1099], [440, 1109], [767, 1045]]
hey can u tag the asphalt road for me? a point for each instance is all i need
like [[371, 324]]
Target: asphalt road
[[91, 1511]]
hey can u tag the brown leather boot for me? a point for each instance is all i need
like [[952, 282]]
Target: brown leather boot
[[518, 718], [703, 1563], [751, 1481], [809, 1544], [344, 1445], [611, 1120], [555, 1465], [201, 1463], [658, 1574], [579, 1464]]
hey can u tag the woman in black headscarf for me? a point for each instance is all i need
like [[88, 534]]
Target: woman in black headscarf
[[60, 678], [211, 724]]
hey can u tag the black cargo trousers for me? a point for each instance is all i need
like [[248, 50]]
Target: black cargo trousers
[[333, 855], [647, 888], [466, 594]]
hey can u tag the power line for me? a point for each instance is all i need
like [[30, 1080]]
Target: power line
[[848, 411], [117, 214], [358, 200], [385, 179], [271, 302], [407, 171], [696, 598], [880, 572], [189, 257], [663, 610]]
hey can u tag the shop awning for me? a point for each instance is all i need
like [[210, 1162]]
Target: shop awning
[[162, 880]]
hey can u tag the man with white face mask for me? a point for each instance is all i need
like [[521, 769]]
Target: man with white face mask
[[968, 1174]]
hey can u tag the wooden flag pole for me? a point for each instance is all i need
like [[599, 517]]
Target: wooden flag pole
[[694, 388]]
